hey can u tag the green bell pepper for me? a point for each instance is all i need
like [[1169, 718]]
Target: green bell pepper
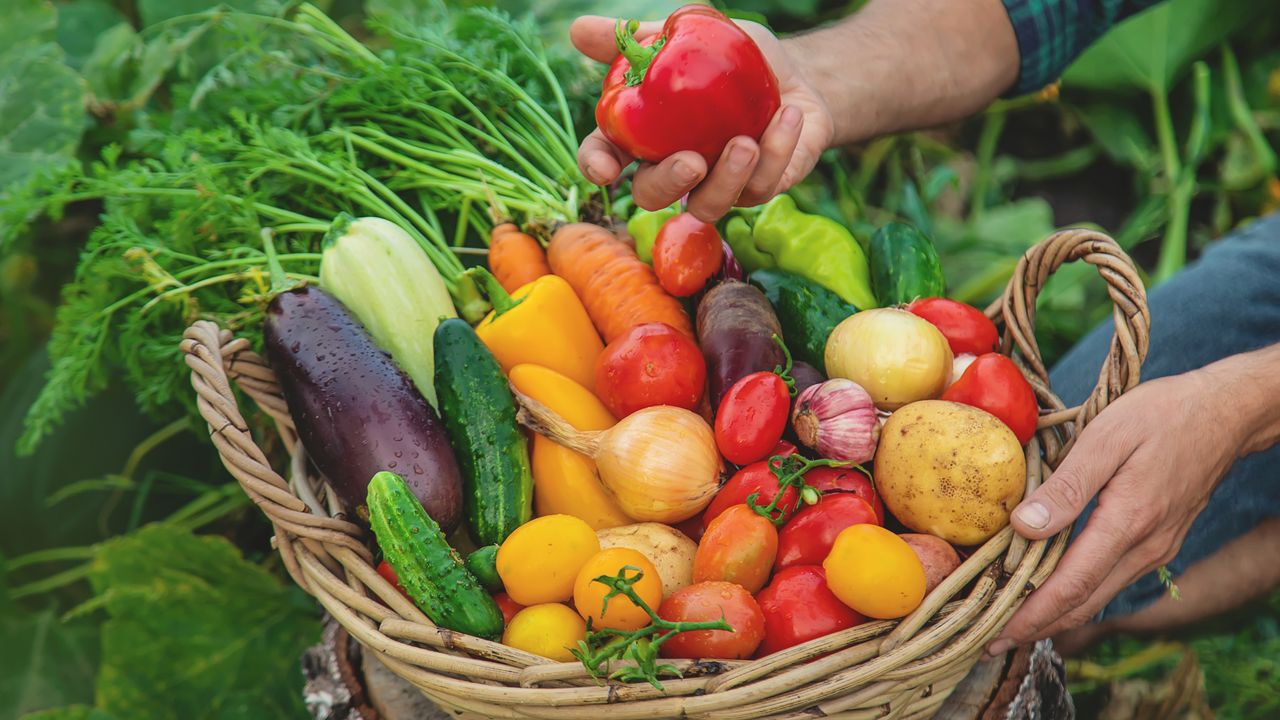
[[644, 225], [812, 246]]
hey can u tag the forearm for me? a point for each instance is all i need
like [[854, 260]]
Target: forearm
[[1248, 388], [906, 64]]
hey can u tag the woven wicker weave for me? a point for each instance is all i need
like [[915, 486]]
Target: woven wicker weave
[[898, 669]]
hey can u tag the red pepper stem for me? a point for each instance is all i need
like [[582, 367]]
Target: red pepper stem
[[498, 295], [638, 56]]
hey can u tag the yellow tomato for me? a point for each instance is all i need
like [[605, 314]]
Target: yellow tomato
[[875, 572], [540, 560], [621, 613], [550, 630]]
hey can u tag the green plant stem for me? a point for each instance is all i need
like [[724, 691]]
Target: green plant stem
[[53, 582], [992, 128], [1242, 115], [1173, 248], [80, 552]]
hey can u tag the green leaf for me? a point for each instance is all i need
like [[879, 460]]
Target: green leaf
[[193, 623], [1121, 133], [41, 111], [80, 23], [26, 22], [151, 12], [1150, 49]]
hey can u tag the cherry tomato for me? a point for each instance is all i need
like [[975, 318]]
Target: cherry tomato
[[508, 607], [710, 601], [752, 415], [738, 547], [965, 327], [798, 607], [389, 575], [686, 254], [754, 478], [835, 479], [808, 537], [993, 383], [651, 364]]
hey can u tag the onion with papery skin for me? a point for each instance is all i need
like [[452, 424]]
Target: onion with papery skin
[[959, 365], [660, 463], [896, 356]]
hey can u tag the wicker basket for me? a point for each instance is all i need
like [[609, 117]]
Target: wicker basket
[[899, 669]]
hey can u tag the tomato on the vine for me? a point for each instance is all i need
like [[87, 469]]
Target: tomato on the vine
[[993, 383], [798, 607], [965, 327], [686, 254], [752, 417], [808, 537], [756, 478], [710, 601], [651, 364], [738, 547], [850, 480]]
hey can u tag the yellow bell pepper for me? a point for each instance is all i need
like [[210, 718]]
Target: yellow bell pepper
[[543, 323], [564, 481]]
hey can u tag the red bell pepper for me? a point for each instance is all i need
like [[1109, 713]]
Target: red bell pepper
[[993, 383], [694, 86], [808, 537]]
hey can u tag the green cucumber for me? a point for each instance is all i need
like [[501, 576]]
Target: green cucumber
[[904, 265], [430, 571], [483, 563], [807, 312], [480, 419]]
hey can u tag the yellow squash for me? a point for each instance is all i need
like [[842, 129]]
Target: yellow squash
[[565, 481], [543, 323]]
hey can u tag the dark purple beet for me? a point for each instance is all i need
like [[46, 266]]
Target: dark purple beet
[[805, 376], [736, 326], [356, 412]]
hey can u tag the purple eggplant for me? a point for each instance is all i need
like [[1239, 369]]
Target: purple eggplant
[[736, 326], [356, 411]]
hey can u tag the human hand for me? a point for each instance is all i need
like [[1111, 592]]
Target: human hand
[[747, 173], [1155, 454]]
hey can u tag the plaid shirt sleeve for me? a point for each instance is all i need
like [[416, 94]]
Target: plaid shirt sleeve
[[1051, 33]]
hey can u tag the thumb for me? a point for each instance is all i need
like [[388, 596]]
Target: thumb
[[593, 35], [1059, 501]]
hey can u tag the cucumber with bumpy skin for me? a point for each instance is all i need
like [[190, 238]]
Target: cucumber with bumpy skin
[[480, 418], [483, 563], [904, 265], [430, 571]]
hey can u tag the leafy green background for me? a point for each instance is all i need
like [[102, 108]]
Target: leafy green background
[[135, 578]]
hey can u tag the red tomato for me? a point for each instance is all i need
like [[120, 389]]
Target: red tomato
[[738, 547], [651, 364], [993, 383], [686, 254], [798, 607], [965, 327], [752, 415], [784, 448], [389, 575], [508, 607], [709, 601], [834, 479], [754, 478], [808, 538]]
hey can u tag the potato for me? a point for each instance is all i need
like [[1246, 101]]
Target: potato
[[670, 551], [949, 470], [937, 556]]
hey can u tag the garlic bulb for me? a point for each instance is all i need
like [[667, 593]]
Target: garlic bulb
[[838, 419]]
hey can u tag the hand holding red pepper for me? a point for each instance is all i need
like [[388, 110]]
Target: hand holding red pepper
[[745, 172]]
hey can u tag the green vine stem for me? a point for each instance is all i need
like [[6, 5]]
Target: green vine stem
[[603, 646], [784, 371], [790, 471]]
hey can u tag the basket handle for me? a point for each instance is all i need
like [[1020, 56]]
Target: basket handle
[[1015, 311]]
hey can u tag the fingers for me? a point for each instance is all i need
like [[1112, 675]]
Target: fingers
[[601, 161], [1088, 562], [1097, 456], [657, 186], [720, 191], [593, 35], [777, 145]]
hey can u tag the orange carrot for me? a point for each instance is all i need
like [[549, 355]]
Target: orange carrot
[[618, 290], [514, 257]]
